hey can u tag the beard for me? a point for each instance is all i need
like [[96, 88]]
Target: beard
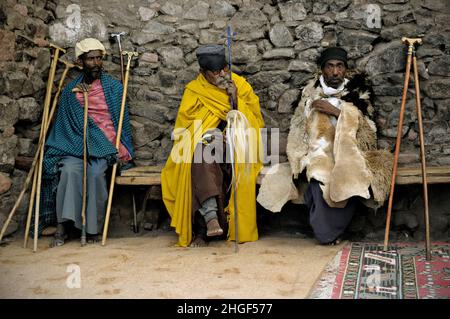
[[223, 82], [92, 74]]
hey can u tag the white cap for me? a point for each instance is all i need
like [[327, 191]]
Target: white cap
[[88, 44]]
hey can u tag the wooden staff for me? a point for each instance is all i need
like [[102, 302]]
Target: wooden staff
[[68, 66], [230, 35], [84, 88], [41, 142], [411, 52], [41, 155], [119, 133], [422, 158]]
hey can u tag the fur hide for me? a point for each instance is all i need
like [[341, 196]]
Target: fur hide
[[344, 159]]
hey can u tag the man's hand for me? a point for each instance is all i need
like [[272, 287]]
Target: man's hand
[[326, 107], [232, 91]]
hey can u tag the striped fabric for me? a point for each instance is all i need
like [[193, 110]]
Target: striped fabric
[[66, 139]]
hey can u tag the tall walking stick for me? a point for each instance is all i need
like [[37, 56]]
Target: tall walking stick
[[236, 140], [84, 88], [41, 155], [119, 133], [68, 66], [117, 36], [411, 58], [40, 145]]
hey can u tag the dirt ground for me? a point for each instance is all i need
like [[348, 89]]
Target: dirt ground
[[150, 266]]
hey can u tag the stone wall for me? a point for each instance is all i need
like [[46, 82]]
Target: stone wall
[[276, 47]]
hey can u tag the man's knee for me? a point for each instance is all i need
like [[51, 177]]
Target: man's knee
[[71, 169], [97, 169]]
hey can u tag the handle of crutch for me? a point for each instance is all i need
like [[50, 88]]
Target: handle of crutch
[[411, 42]]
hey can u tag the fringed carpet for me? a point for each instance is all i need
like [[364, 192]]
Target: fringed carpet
[[365, 271]]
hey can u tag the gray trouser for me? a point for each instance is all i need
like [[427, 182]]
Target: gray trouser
[[69, 195], [209, 209]]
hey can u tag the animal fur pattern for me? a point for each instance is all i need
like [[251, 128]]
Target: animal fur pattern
[[344, 159]]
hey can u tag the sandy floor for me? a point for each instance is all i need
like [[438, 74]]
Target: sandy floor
[[149, 266]]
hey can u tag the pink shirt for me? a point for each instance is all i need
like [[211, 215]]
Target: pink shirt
[[98, 111]]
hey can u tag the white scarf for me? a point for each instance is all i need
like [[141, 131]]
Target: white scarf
[[330, 92]]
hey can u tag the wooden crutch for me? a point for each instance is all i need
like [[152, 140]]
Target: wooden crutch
[[68, 66], [40, 145], [84, 88], [41, 155], [411, 58], [119, 133]]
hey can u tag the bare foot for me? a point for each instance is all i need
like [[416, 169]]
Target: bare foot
[[198, 242]]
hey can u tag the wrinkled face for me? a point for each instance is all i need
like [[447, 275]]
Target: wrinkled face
[[333, 73], [93, 63], [217, 78]]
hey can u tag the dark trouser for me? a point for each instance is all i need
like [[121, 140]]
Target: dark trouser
[[328, 223]]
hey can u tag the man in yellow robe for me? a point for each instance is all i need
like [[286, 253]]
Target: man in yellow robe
[[190, 186]]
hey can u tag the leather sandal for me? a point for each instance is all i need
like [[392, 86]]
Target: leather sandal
[[59, 237], [213, 228]]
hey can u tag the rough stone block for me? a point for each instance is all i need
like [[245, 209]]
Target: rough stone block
[[146, 14], [438, 88], [279, 53], [199, 11], [281, 36], [222, 8], [287, 100], [5, 183], [9, 112], [7, 43], [172, 57], [29, 109], [292, 11], [8, 151]]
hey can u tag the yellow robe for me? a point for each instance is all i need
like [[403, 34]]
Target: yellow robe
[[207, 103]]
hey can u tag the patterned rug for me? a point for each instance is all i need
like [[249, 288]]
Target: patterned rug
[[365, 271]]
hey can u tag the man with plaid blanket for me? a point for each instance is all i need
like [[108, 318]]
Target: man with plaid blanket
[[61, 196]]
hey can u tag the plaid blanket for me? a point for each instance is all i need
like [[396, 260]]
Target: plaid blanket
[[66, 139]]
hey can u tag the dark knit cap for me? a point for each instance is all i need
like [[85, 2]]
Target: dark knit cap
[[211, 57], [333, 53]]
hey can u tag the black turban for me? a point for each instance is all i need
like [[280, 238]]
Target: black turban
[[333, 53], [211, 57]]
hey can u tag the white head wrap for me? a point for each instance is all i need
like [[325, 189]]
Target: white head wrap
[[88, 44]]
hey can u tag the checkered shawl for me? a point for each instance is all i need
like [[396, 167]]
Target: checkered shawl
[[66, 139]]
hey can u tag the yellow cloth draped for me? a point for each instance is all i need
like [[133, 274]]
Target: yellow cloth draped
[[202, 108]]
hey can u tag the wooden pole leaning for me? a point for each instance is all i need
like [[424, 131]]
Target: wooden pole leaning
[[41, 155], [68, 66], [411, 59], [30, 175], [422, 159], [84, 88], [119, 133]]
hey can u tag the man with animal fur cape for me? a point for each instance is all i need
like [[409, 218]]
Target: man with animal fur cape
[[332, 139], [196, 178]]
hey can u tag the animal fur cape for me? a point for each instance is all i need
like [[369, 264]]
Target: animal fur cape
[[344, 159]]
